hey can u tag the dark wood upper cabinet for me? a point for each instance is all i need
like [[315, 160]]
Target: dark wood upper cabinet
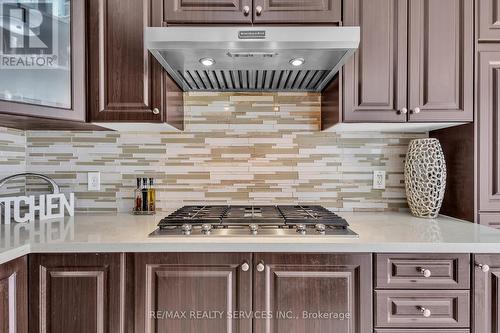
[[208, 11], [184, 283], [75, 293], [14, 296], [486, 296], [488, 22], [297, 11], [56, 88], [488, 127], [125, 81], [423, 47], [441, 60], [290, 284], [375, 78]]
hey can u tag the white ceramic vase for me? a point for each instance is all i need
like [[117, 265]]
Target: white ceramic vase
[[425, 177]]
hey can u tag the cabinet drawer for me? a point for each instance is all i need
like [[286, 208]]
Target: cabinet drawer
[[402, 308], [422, 271], [409, 330], [490, 219]]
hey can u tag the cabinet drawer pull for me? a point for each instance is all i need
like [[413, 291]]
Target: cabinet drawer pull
[[485, 268], [260, 267], [258, 10], [416, 110], [425, 312], [426, 272], [403, 111], [246, 10], [156, 111], [245, 267]]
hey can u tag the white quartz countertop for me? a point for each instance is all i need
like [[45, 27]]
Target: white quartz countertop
[[378, 232]]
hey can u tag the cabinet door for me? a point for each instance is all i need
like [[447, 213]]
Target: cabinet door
[[14, 296], [75, 293], [375, 78], [313, 293], [193, 292], [125, 81], [42, 71], [208, 11], [488, 118], [486, 296], [441, 48], [488, 18], [297, 11]]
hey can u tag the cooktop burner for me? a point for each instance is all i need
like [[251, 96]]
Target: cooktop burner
[[253, 220]]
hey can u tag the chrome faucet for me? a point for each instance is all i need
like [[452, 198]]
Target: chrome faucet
[[55, 187]]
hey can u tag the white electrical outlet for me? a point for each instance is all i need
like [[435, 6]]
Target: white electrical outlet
[[379, 180], [94, 181]]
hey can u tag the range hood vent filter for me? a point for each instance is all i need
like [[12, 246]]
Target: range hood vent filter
[[253, 80]]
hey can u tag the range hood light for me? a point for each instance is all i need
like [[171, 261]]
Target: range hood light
[[297, 62], [207, 62]]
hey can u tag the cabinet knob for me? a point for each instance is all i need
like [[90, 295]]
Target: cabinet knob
[[245, 267], [246, 10], [426, 272], [260, 267], [484, 268], [416, 110], [259, 10], [156, 111], [425, 312], [403, 111]]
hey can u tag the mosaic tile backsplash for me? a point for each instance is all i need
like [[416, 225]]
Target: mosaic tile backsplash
[[12, 159], [236, 149]]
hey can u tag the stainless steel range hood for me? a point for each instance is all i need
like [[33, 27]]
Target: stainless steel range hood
[[252, 58]]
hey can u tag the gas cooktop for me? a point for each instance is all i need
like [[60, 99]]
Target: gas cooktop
[[293, 220]]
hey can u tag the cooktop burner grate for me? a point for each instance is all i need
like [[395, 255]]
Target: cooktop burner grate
[[233, 216]]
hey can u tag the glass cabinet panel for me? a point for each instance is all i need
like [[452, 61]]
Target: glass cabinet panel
[[37, 60]]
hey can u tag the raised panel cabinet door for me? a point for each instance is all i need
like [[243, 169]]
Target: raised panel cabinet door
[[488, 119], [486, 295], [77, 293], [208, 11], [314, 293], [375, 78], [488, 20], [193, 292], [14, 296], [297, 11], [441, 60], [125, 81]]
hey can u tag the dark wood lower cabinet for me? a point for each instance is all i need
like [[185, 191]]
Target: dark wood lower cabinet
[[73, 293], [14, 296], [193, 292], [241, 293], [314, 293], [486, 294]]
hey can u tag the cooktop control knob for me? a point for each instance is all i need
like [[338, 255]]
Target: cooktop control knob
[[320, 228], [206, 229], [186, 229], [301, 229], [254, 228]]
